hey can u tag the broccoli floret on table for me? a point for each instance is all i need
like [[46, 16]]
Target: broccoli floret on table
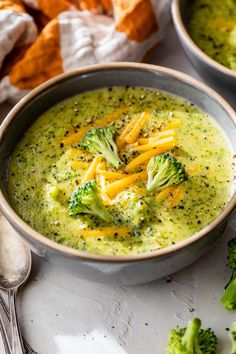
[[229, 297], [86, 200], [99, 141], [192, 339], [164, 171], [232, 335]]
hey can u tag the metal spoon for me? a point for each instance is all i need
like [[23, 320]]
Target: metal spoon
[[5, 329], [15, 265]]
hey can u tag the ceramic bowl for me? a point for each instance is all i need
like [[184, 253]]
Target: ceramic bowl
[[127, 269], [210, 70]]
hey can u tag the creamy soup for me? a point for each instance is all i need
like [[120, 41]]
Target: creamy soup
[[212, 26], [167, 174]]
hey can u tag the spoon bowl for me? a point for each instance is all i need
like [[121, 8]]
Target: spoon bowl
[[15, 259], [15, 266]]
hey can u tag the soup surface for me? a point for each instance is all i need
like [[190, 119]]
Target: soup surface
[[212, 26], [50, 163]]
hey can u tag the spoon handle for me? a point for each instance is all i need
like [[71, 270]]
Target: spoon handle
[[17, 346], [5, 316], [5, 327]]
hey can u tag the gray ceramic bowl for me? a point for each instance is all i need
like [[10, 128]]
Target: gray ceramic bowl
[[132, 269], [214, 73]]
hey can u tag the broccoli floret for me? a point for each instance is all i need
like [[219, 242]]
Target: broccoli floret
[[163, 171], [86, 199], [232, 335], [99, 141], [232, 254], [192, 339], [229, 297]]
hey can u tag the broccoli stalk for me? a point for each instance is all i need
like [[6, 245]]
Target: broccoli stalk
[[229, 297], [163, 171], [86, 199], [192, 339], [232, 335], [99, 141]]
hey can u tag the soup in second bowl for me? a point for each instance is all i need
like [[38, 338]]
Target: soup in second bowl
[[212, 26]]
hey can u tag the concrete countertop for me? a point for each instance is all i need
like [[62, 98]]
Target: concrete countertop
[[61, 314]]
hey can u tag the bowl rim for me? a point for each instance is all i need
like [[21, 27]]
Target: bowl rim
[[41, 240], [181, 30]]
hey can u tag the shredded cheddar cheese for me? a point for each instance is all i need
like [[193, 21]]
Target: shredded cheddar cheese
[[79, 165], [118, 186], [177, 196], [102, 182], [139, 160], [120, 142], [111, 175], [155, 143], [91, 170], [156, 136], [106, 200], [133, 135], [175, 123], [106, 232], [191, 170], [76, 153], [71, 139], [140, 191], [165, 193], [222, 23]]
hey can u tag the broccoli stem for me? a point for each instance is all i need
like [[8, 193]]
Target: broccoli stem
[[229, 297], [102, 213], [113, 158], [190, 338]]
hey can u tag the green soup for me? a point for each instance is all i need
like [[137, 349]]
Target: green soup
[[49, 164], [212, 26]]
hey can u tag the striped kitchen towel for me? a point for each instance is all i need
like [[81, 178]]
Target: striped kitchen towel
[[40, 39]]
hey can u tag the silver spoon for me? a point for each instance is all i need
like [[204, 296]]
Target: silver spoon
[[5, 329], [15, 266]]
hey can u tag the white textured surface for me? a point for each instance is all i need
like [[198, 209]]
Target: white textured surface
[[60, 314]]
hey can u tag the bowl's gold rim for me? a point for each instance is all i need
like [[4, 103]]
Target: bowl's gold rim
[[180, 28], [33, 235]]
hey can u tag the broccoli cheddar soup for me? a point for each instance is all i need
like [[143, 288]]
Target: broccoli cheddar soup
[[121, 170], [212, 26]]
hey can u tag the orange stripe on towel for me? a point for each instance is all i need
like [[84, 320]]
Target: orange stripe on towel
[[53, 8], [41, 62], [107, 4], [13, 5], [90, 5], [135, 18]]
